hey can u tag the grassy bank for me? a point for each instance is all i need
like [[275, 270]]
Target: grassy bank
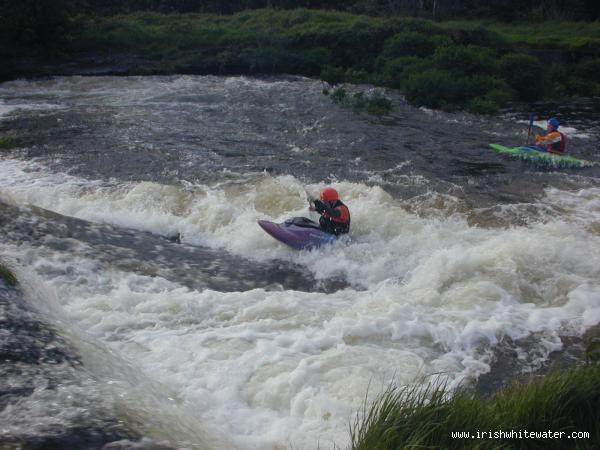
[[452, 65], [411, 418]]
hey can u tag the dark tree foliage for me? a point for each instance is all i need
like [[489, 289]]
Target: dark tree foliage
[[30, 26], [505, 10]]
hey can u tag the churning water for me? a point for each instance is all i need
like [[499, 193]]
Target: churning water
[[229, 339]]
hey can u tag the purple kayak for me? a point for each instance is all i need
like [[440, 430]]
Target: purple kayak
[[298, 232]]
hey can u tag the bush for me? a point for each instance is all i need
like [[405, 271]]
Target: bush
[[417, 25], [408, 43], [465, 60], [396, 71], [311, 61], [524, 74], [499, 96], [446, 90], [482, 105], [266, 59], [477, 36], [480, 85], [378, 105], [357, 76], [333, 75], [580, 86], [588, 69], [339, 95], [32, 25], [434, 89]]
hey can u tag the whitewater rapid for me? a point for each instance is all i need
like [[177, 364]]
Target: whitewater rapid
[[431, 284]]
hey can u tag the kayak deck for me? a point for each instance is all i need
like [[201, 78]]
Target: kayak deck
[[299, 233], [547, 159]]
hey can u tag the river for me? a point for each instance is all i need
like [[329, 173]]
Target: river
[[129, 212]]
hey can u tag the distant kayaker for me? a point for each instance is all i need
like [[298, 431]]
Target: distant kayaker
[[335, 216], [553, 141]]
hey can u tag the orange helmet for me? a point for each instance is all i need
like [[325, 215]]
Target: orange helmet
[[329, 195]]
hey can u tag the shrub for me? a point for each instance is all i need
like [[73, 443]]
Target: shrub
[[396, 71], [333, 75], [357, 76], [499, 96], [580, 86], [266, 59], [478, 36], [417, 25], [589, 69], [479, 85], [524, 74], [408, 43], [446, 90], [311, 61], [482, 105], [378, 105], [30, 26], [434, 89], [339, 94], [465, 60]]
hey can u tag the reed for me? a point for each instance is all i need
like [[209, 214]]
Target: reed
[[413, 417]]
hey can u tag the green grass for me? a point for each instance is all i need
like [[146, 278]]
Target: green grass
[[7, 276], [410, 417]]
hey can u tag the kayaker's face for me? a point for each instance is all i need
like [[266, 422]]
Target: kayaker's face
[[550, 128]]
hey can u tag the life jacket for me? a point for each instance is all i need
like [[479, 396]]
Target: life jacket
[[553, 147], [336, 225], [560, 146]]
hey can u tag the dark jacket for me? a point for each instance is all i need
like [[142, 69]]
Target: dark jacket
[[335, 219]]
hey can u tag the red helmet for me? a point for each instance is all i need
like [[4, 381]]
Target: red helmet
[[329, 195]]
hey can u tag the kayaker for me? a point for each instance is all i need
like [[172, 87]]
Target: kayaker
[[335, 216], [553, 141]]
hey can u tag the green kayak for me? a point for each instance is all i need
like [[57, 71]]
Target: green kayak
[[547, 159]]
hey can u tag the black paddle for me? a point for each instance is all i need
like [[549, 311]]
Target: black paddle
[[531, 119]]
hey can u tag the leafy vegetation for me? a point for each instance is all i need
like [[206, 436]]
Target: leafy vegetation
[[506, 10], [410, 417]]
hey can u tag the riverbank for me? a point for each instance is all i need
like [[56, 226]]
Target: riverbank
[[474, 66]]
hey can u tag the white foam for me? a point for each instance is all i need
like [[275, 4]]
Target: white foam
[[272, 368], [7, 109], [430, 294]]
